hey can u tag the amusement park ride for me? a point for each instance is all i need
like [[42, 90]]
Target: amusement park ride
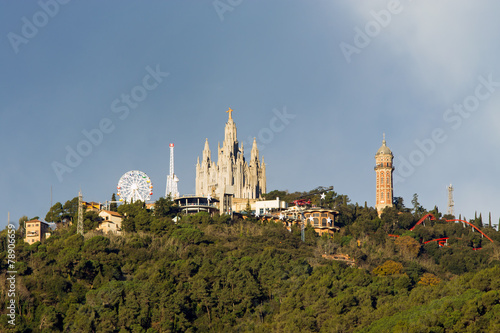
[[135, 185], [444, 240]]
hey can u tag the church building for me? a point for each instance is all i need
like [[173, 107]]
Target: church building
[[231, 174], [383, 170]]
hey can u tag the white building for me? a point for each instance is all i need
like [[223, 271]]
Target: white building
[[265, 206]]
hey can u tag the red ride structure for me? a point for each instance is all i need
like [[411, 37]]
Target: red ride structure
[[432, 218], [302, 202]]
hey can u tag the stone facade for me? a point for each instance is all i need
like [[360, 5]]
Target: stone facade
[[383, 170], [231, 174]]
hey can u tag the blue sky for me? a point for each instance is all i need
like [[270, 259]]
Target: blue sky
[[344, 72]]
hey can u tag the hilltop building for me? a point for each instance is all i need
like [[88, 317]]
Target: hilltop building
[[191, 204], [36, 231], [262, 207], [322, 220], [111, 222], [231, 179], [384, 169]]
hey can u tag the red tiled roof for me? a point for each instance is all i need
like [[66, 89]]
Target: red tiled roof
[[32, 221], [112, 213]]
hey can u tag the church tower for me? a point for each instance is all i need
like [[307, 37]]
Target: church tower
[[383, 170], [231, 172]]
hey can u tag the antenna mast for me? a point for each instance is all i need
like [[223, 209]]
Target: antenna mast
[[172, 179], [79, 226], [451, 203]]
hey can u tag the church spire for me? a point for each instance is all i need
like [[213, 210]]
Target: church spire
[[230, 144], [254, 155], [206, 152]]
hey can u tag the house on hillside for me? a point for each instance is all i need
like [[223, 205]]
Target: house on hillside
[[111, 222], [36, 231]]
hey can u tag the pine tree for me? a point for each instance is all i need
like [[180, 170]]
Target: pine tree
[[113, 206]]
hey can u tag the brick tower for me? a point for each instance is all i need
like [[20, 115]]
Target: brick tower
[[384, 169]]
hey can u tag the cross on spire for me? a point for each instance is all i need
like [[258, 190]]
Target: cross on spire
[[230, 111]]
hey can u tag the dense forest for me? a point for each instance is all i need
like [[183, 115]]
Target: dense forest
[[217, 274]]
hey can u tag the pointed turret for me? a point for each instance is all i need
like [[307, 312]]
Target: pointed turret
[[207, 155], [230, 143], [254, 155]]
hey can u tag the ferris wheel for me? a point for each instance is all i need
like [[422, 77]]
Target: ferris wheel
[[135, 185]]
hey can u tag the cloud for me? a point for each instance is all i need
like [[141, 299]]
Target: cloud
[[444, 41]]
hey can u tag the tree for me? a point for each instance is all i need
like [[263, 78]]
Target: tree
[[436, 212], [398, 203], [24, 218], [408, 246], [417, 208], [276, 194], [429, 279], [55, 213], [91, 220], [70, 209], [165, 207], [113, 206], [390, 267], [248, 208], [22, 225]]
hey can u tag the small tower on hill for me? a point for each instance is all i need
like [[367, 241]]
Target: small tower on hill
[[384, 169]]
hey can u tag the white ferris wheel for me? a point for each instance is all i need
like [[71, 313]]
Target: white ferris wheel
[[135, 185]]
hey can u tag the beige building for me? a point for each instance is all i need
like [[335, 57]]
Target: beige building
[[231, 174], [322, 219], [111, 222], [36, 231], [383, 170]]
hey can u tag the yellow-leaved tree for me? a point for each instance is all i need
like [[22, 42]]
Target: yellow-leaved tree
[[389, 267]]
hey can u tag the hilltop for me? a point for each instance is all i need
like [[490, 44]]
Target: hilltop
[[214, 274]]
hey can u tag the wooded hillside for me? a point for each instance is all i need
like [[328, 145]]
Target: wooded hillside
[[207, 274]]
